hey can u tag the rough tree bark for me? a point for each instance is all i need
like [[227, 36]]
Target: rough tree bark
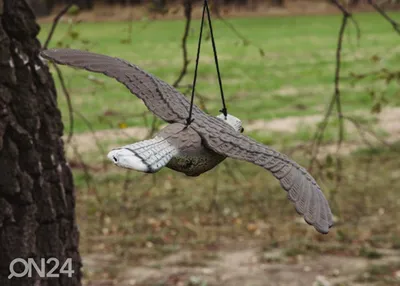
[[37, 199]]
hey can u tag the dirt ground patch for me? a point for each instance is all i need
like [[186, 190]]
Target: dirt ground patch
[[387, 121], [247, 266], [86, 141]]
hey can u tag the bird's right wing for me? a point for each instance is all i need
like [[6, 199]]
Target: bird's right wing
[[159, 97], [302, 189]]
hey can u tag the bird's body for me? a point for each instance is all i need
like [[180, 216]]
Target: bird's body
[[196, 159], [196, 148], [177, 146]]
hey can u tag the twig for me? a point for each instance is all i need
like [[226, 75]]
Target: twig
[[202, 98], [363, 130], [337, 79], [69, 104], [214, 207], [202, 101], [337, 94], [348, 15], [358, 30], [188, 15], [125, 187], [336, 100], [244, 40], [128, 39], [55, 22], [97, 141], [154, 126], [59, 74], [336, 97], [395, 25], [382, 74], [234, 30], [341, 8], [88, 177]]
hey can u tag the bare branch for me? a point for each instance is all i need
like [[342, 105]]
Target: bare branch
[[69, 103], [362, 131], [336, 97], [55, 22], [336, 100], [97, 141], [244, 40], [188, 15], [90, 185], [154, 126], [395, 25], [59, 74], [337, 78], [341, 8]]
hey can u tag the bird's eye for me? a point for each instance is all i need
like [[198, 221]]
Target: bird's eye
[[115, 159], [241, 130]]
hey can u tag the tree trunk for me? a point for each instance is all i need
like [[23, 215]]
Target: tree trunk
[[37, 197]]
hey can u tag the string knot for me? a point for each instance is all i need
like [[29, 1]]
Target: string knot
[[189, 121], [224, 111]]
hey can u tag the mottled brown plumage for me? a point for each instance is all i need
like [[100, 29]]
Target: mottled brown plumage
[[216, 135], [193, 158]]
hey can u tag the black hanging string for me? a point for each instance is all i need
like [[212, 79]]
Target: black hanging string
[[224, 109], [189, 119]]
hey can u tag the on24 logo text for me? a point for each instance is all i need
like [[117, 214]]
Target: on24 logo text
[[30, 264]]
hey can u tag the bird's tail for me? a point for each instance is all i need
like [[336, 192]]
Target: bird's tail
[[147, 156]]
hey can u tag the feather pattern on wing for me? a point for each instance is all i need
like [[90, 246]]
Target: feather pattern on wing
[[153, 153], [302, 189], [159, 97]]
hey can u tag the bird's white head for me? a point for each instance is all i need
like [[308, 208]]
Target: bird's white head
[[233, 121]]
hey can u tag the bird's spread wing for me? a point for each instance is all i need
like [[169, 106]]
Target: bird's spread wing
[[302, 189], [159, 97]]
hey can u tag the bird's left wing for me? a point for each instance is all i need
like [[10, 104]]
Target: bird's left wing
[[159, 97], [302, 189]]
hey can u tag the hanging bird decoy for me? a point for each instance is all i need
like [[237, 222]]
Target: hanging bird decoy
[[197, 146]]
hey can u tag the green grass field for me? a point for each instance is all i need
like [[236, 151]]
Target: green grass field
[[294, 77]]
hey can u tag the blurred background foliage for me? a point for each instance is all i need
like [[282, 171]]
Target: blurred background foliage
[[45, 7]]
